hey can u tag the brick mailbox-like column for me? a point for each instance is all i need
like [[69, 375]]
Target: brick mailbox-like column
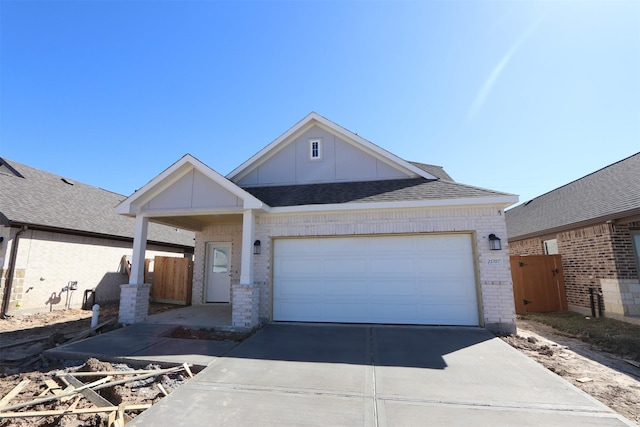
[[244, 310], [134, 303]]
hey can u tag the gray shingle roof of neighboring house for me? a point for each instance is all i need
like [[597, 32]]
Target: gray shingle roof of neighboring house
[[607, 194], [367, 191], [40, 199]]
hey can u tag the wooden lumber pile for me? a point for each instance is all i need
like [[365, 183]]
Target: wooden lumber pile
[[75, 390]]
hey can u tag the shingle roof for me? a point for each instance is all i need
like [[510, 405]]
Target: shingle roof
[[609, 193], [437, 171], [38, 198], [367, 192]]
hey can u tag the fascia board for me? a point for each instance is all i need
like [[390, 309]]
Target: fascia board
[[234, 174], [156, 185], [502, 201], [250, 201], [177, 212]]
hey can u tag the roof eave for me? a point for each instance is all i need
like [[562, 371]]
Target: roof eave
[[499, 201], [85, 233], [580, 224]]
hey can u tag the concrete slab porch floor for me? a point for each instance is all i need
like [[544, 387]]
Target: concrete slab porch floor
[[148, 342], [196, 316], [346, 375]]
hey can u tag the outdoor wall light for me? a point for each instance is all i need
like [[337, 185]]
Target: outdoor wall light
[[256, 247], [494, 242]]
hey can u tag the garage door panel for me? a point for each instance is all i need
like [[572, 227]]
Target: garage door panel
[[341, 288], [445, 287], [393, 288], [389, 265], [301, 286], [343, 266], [302, 265], [445, 265], [294, 310], [395, 313], [425, 279], [448, 314], [344, 312]]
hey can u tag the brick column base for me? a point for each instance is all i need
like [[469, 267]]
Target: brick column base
[[134, 303], [621, 296], [244, 309]]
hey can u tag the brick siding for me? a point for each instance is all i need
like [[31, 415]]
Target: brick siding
[[47, 261], [496, 288], [524, 247], [589, 255]]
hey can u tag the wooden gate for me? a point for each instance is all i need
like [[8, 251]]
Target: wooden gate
[[172, 280], [538, 283]]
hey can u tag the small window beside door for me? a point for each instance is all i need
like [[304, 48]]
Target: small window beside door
[[315, 149], [550, 247]]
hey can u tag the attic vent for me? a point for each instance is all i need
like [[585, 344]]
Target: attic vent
[[67, 181]]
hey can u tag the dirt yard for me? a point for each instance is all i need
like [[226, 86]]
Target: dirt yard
[[610, 379], [26, 377]]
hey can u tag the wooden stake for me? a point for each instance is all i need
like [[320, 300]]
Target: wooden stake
[[186, 368], [51, 386], [103, 373], [75, 411], [88, 332], [13, 393], [162, 389], [92, 396], [50, 398]]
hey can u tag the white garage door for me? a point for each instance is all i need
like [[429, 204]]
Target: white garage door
[[427, 280]]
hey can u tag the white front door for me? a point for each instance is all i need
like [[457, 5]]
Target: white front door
[[218, 275]]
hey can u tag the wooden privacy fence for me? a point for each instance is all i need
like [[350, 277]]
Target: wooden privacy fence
[[172, 280], [538, 283]]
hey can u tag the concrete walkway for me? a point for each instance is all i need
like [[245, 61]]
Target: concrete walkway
[[320, 375]]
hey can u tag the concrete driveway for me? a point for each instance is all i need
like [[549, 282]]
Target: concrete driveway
[[334, 375]]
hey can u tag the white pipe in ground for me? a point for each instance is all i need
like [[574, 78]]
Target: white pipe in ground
[[94, 317]]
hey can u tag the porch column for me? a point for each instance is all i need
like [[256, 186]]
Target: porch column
[[246, 294], [134, 296], [246, 266], [139, 249]]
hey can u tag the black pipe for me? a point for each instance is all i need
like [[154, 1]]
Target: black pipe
[[593, 305], [599, 303], [8, 283]]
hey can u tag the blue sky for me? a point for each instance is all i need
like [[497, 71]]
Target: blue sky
[[515, 96]]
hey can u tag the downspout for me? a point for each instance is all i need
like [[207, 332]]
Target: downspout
[[9, 277]]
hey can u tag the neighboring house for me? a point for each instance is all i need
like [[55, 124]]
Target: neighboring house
[[321, 225], [54, 231], [594, 224]]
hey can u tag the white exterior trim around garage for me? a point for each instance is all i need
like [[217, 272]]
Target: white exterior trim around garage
[[367, 238]]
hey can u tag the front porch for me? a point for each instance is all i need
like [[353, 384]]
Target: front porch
[[207, 316], [190, 195]]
